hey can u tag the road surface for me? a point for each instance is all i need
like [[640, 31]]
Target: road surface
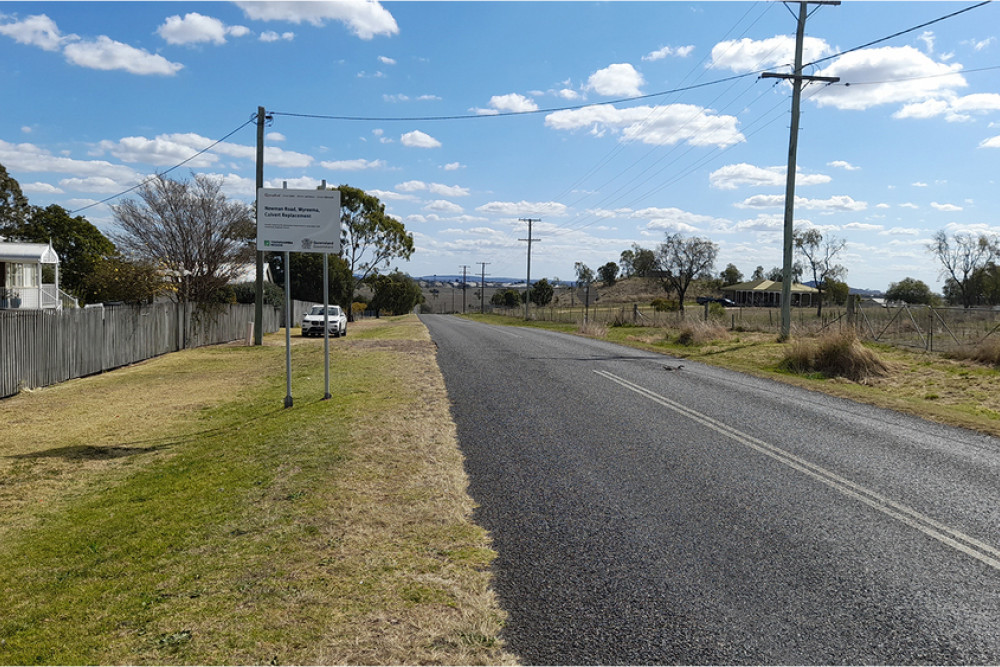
[[652, 510]]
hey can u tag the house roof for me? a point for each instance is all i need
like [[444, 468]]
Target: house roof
[[28, 253], [764, 285]]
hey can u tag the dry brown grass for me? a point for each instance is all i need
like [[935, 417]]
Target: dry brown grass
[[699, 332], [985, 352], [172, 513], [835, 355], [592, 328]]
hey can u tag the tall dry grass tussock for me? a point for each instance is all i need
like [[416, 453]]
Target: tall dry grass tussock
[[985, 352], [593, 328], [699, 332], [835, 355]]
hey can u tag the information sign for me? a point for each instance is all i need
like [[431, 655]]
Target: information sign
[[298, 220]]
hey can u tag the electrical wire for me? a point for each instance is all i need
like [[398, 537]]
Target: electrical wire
[[507, 114], [898, 34], [253, 119]]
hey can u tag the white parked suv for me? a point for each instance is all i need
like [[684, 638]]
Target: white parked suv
[[312, 322]]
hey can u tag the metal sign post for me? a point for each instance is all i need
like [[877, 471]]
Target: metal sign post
[[298, 221]]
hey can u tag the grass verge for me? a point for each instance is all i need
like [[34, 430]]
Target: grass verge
[[173, 512], [957, 392]]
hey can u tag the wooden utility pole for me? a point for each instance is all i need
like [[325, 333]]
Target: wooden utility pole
[[258, 301], [465, 283], [527, 287], [797, 78], [482, 289]]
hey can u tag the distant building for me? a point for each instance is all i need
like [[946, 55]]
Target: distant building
[[765, 292], [21, 276]]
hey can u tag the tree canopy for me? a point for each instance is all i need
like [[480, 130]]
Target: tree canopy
[[371, 239], [189, 229], [608, 273], [731, 275], [307, 276], [79, 244], [681, 260], [395, 293], [13, 203], [542, 292], [819, 253], [963, 256], [910, 290]]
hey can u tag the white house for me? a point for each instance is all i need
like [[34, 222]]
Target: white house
[[21, 282]]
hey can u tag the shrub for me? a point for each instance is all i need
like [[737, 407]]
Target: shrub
[[247, 292], [716, 310], [699, 333], [834, 355], [664, 305]]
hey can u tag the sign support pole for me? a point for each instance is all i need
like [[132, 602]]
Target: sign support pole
[[298, 221], [326, 320]]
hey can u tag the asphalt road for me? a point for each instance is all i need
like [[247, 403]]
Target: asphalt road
[[651, 510]]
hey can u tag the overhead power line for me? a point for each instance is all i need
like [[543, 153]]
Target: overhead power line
[[253, 119], [898, 34], [503, 114]]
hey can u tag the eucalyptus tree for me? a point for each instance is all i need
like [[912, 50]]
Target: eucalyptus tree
[[819, 254]]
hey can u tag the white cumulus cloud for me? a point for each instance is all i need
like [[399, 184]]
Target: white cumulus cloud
[[507, 103], [618, 80], [660, 126], [352, 165], [523, 208], [749, 55], [888, 75], [733, 176], [195, 28], [660, 54], [38, 30], [418, 139], [365, 18], [443, 206], [272, 36], [106, 54]]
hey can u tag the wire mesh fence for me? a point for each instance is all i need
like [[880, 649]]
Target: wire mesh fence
[[934, 329]]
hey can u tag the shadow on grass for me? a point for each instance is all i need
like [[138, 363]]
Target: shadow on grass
[[88, 453], [111, 452]]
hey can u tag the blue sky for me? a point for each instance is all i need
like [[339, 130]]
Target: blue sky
[[98, 96]]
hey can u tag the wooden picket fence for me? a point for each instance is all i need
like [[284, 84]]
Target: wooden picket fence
[[44, 347]]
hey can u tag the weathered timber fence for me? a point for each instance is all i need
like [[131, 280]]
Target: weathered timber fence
[[40, 348]]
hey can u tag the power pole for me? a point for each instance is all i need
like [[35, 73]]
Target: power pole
[[482, 289], [464, 284], [527, 287], [797, 78], [258, 301]]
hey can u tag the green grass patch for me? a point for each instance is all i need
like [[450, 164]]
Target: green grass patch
[[254, 533]]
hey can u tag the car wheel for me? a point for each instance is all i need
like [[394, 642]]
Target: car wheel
[[344, 332]]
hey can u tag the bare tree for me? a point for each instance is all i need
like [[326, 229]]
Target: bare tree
[[189, 229], [681, 260], [819, 253], [962, 257]]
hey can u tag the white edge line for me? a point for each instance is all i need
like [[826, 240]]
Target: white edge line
[[911, 517]]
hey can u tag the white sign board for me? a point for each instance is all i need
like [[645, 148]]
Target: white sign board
[[298, 220]]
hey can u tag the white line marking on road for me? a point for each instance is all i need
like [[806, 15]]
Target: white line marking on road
[[946, 535]]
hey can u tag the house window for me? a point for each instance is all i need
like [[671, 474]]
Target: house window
[[22, 275]]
